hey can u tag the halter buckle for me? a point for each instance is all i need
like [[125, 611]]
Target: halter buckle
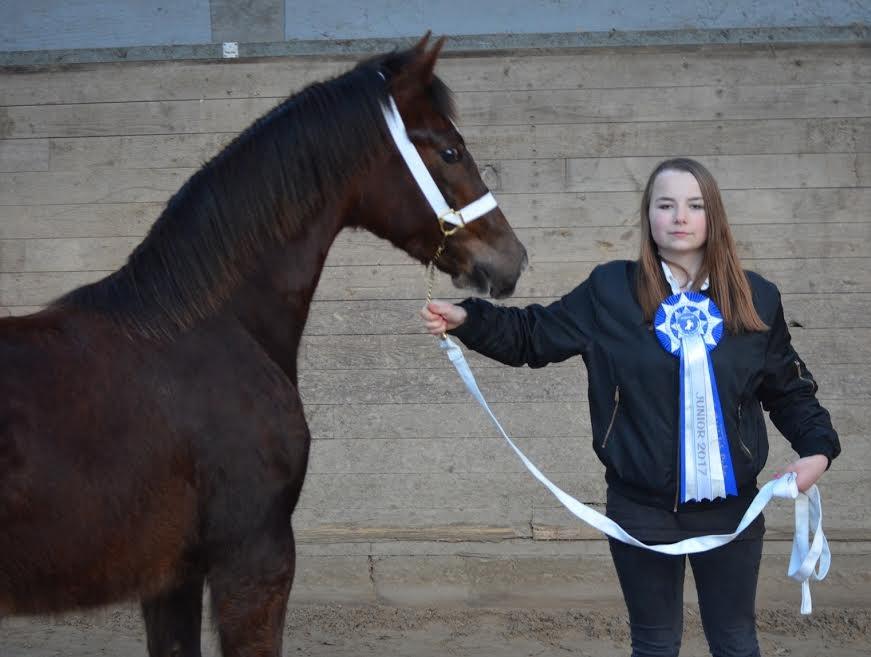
[[447, 232]]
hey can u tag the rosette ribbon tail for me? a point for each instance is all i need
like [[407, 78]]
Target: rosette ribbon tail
[[706, 464]]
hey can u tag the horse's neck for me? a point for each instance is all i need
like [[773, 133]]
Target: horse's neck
[[273, 303]]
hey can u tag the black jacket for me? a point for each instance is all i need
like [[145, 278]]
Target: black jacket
[[634, 385]]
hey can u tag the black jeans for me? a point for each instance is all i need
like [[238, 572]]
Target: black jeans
[[726, 583]]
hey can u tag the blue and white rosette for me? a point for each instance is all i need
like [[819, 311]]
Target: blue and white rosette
[[689, 325]]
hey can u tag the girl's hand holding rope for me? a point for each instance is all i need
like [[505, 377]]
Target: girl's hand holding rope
[[441, 316]]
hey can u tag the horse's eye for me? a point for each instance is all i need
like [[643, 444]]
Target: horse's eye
[[450, 155]]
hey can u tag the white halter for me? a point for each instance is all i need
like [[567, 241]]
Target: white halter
[[427, 185]]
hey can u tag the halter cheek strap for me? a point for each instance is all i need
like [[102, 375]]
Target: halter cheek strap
[[443, 211]]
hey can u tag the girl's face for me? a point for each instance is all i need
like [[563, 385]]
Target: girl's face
[[677, 214]]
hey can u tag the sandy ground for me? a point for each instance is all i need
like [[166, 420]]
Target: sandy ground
[[341, 631]]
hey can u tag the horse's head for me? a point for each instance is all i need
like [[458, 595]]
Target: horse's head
[[480, 250]]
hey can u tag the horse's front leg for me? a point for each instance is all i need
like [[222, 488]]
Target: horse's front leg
[[173, 620], [249, 586]]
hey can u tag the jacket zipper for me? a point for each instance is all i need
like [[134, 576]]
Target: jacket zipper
[[798, 371], [677, 477], [613, 416], [741, 438]]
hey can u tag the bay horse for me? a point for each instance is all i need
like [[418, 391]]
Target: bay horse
[[152, 437]]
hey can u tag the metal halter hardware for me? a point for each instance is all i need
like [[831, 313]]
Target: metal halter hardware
[[447, 232]]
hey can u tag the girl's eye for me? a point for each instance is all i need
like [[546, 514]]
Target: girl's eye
[[697, 207], [450, 155]]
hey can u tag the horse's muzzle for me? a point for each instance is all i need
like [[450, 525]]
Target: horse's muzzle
[[496, 279]]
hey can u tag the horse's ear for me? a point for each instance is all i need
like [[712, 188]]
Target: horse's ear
[[420, 46], [418, 73], [425, 66]]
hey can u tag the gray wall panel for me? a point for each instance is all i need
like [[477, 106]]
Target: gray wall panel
[[72, 24], [247, 21], [54, 24], [354, 19]]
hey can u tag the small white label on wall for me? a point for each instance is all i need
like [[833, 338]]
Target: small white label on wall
[[231, 49]]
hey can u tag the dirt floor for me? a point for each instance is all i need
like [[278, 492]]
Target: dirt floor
[[341, 631]]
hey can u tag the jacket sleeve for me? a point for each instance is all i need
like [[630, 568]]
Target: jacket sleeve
[[788, 393], [535, 335]]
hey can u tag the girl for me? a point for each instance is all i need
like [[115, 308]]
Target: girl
[[637, 393]]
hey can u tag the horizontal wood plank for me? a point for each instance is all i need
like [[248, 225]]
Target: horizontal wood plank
[[551, 210], [510, 108], [83, 220], [332, 524], [852, 240], [134, 118], [722, 137], [606, 139], [23, 155], [119, 82], [569, 454], [392, 317], [448, 490], [70, 254], [747, 172], [552, 245], [522, 419], [821, 346], [732, 172], [92, 186], [758, 206], [145, 151], [554, 384], [448, 456], [698, 103], [605, 68], [808, 275]]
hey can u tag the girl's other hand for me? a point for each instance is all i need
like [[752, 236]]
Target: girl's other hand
[[807, 470]]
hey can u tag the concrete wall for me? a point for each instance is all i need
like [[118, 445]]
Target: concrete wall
[[410, 497], [64, 24], [52, 24], [354, 19]]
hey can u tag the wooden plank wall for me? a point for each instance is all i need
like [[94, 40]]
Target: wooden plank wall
[[88, 155]]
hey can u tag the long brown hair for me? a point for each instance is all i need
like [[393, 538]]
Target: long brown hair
[[729, 287]]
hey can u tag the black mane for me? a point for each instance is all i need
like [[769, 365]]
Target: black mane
[[258, 191]]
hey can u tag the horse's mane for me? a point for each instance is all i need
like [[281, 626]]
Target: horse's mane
[[260, 190]]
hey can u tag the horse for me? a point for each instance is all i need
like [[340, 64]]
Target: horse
[[152, 436]]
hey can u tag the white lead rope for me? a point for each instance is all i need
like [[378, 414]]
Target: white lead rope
[[810, 558]]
